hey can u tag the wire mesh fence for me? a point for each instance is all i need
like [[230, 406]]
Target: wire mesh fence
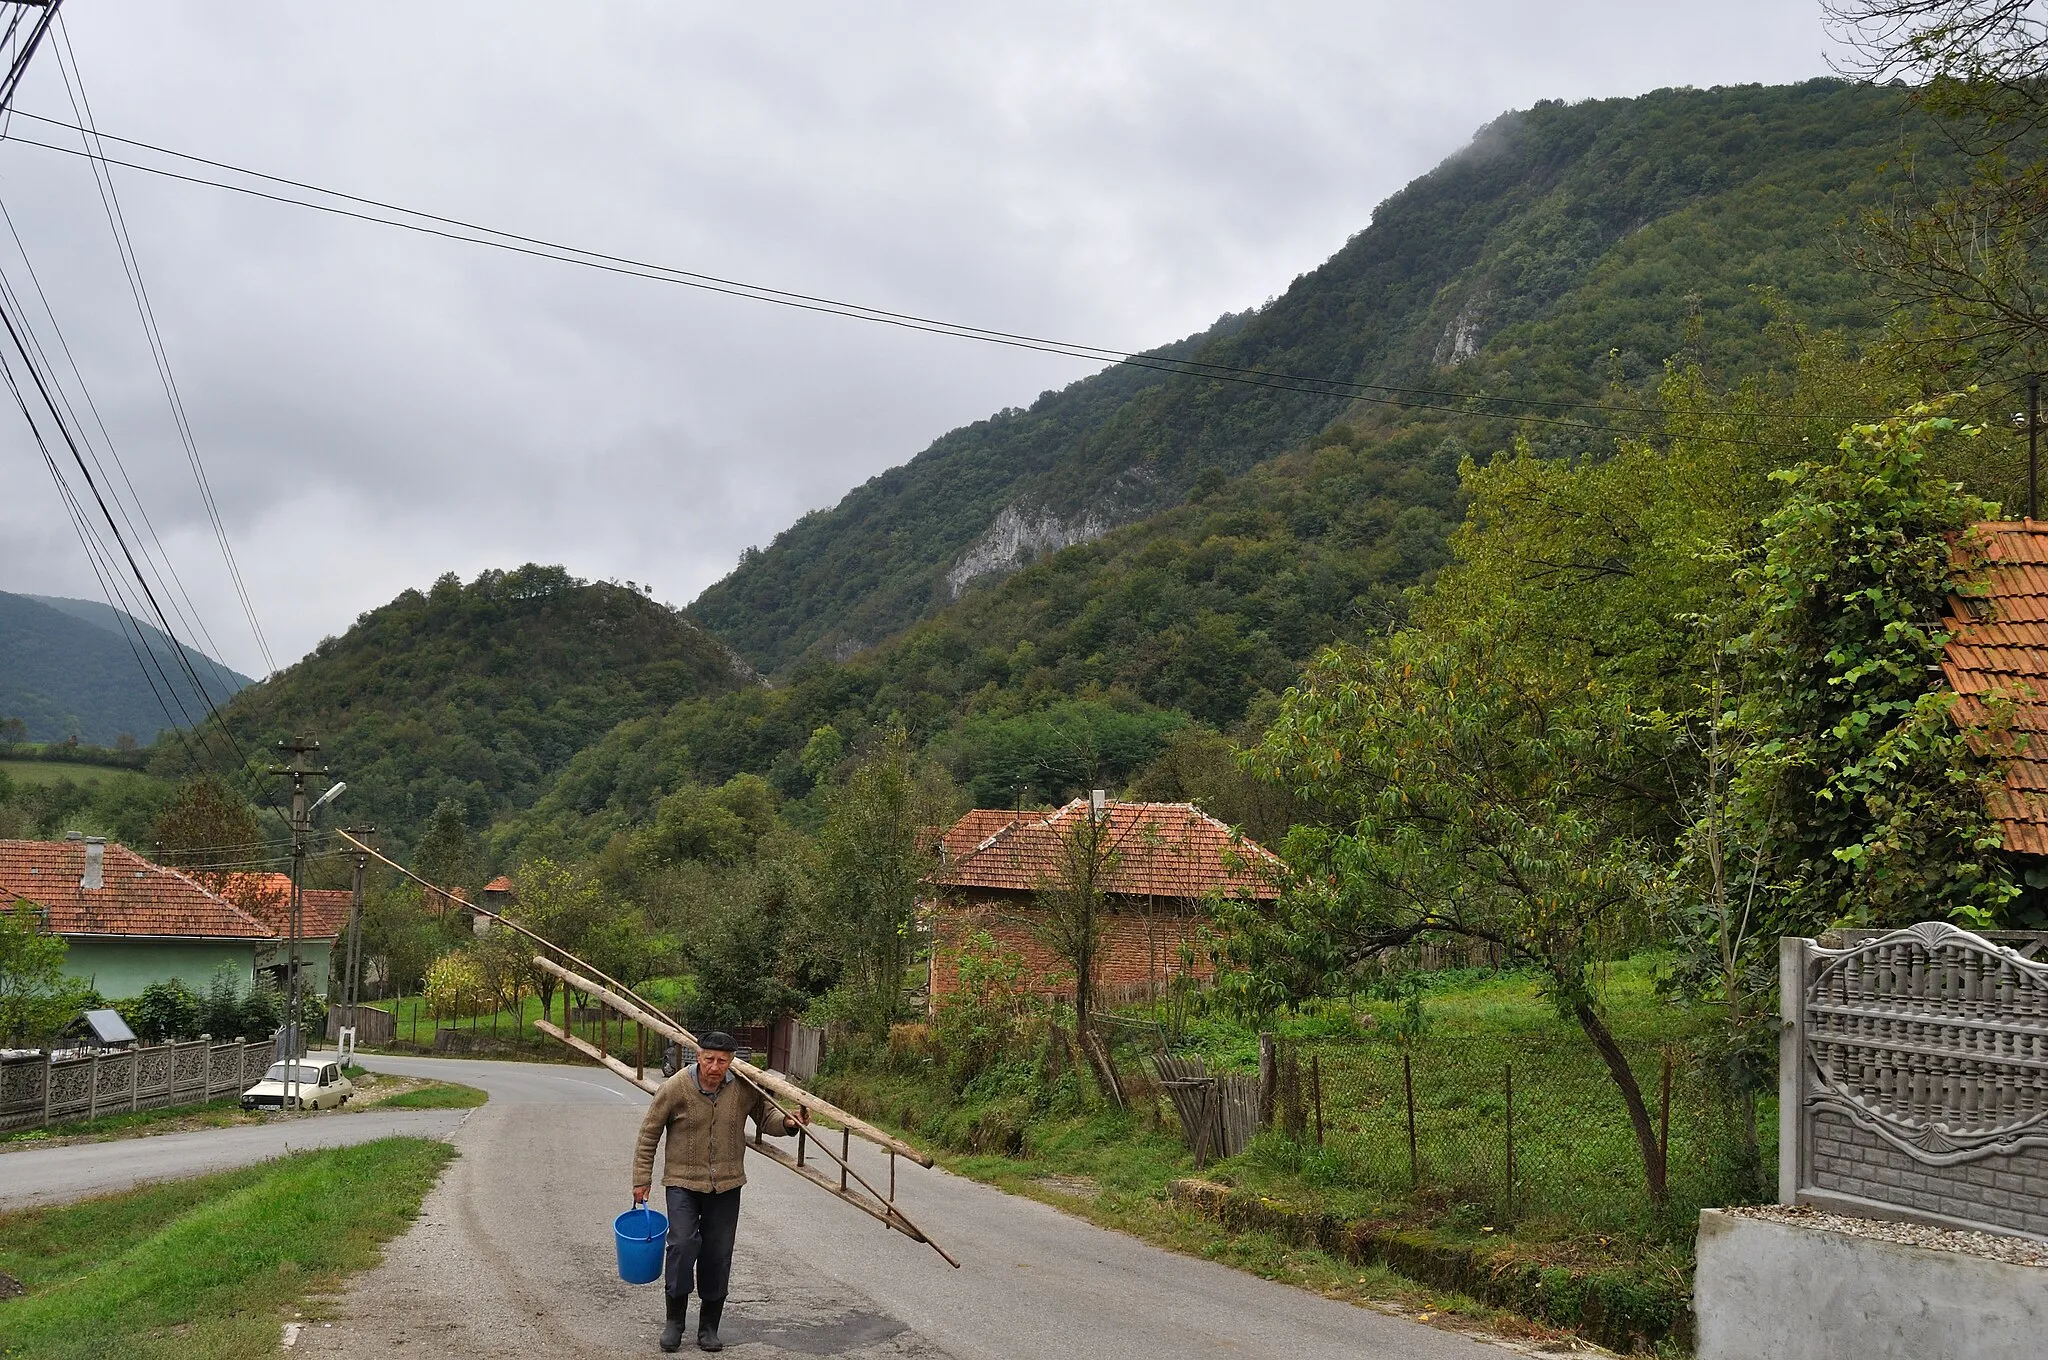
[[1511, 1130]]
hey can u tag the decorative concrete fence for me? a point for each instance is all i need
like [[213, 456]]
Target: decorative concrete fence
[[44, 1089], [1913, 1080]]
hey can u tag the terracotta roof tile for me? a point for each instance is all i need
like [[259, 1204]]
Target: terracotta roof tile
[[139, 898], [323, 912], [1162, 850], [1997, 663]]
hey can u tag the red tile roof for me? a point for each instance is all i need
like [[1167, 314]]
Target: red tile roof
[[139, 898], [1161, 849], [1997, 663], [323, 912], [499, 884]]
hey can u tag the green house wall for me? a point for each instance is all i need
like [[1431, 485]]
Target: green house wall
[[119, 969]]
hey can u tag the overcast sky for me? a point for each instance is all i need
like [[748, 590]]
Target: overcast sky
[[376, 408]]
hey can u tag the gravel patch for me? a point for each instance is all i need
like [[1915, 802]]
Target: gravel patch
[[2018, 1251]]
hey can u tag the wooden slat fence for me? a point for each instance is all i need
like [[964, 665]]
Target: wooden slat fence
[[1218, 1113], [40, 1089], [372, 1025]]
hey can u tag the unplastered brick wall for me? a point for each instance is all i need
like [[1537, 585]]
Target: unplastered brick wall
[[1142, 943], [2004, 1190]]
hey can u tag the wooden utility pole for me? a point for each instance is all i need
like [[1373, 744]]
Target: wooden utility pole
[[351, 978], [298, 771], [2033, 444]]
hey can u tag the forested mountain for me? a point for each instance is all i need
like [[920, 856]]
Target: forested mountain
[[479, 693], [1568, 249], [1565, 258], [75, 668]]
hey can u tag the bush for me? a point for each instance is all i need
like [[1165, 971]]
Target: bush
[[989, 1016], [165, 1010]]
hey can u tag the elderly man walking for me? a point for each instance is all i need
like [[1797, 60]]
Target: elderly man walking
[[704, 1111]]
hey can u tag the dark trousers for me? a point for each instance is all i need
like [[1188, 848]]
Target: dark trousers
[[701, 1228]]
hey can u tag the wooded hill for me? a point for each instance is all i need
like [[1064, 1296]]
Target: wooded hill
[[75, 668], [1564, 258], [1566, 250], [1573, 250], [479, 693]]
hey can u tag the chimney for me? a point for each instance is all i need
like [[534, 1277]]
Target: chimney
[[1098, 804], [95, 863]]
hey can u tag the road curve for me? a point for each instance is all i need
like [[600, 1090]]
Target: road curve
[[40, 1176], [512, 1256]]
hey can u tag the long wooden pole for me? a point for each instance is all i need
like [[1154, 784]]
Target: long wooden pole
[[767, 1082], [639, 1008], [875, 1207]]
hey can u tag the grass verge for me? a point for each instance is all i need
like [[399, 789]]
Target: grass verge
[[207, 1266], [214, 1114], [439, 1095]]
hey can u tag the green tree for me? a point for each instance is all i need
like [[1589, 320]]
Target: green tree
[[1869, 796], [722, 825], [401, 934], [36, 999], [448, 856], [208, 829], [1486, 799], [1966, 254], [1073, 905], [875, 850]]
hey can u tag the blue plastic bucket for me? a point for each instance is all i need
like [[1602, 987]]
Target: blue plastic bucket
[[642, 1236]]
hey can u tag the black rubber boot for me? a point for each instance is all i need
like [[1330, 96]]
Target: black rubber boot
[[678, 1314], [707, 1327]]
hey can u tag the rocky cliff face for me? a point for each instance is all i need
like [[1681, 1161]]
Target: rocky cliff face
[[1017, 536]]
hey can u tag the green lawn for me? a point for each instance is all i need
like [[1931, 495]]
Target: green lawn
[[509, 1033], [206, 1267], [1579, 1199], [78, 772]]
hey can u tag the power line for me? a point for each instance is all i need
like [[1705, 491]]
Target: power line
[[131, 265], [162, 555], [23, 349], [517, 243]]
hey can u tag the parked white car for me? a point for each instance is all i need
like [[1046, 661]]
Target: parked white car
[[320, 1086]]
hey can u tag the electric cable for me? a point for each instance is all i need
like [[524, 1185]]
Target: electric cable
[[161, 562], [516, 243], [131, 264]]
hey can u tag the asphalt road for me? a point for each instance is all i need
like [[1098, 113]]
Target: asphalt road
[[512, 1256], [51, 1175]]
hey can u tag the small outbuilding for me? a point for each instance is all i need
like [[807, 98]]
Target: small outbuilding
[[103, 1029]]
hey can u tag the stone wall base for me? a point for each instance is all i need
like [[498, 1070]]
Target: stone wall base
[[1765, 1290]]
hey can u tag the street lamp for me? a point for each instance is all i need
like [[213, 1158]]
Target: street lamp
[[302, 824]]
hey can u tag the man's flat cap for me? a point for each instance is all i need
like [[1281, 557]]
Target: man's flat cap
[[719, 1040]]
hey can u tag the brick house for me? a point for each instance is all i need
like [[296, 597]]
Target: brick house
[[128, 922], [1169, 859]]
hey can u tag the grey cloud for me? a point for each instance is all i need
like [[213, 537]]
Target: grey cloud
[[376, 408]]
